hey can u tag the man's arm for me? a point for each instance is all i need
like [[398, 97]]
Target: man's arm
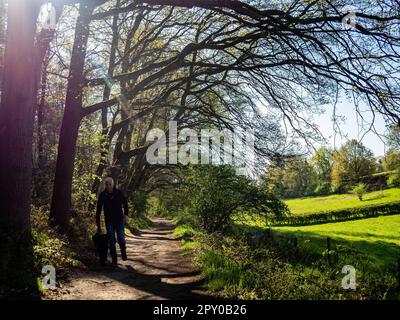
[[98, 212]]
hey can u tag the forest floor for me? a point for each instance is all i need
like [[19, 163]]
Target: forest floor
[[156, 269]]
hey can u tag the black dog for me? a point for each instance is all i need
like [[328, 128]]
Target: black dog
[[100, 242]]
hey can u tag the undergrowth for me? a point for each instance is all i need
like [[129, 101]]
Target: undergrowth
[[237, 268]]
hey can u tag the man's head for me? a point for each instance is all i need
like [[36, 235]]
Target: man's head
[[109, 183]]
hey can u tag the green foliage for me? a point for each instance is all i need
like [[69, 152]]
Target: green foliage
[[167, 202], [156, 207], [351, 162], [294, 178], [50, 247], [328, 171], [394, 138], [220, 271], [82, 228], [138, 222], [87, 159], [321, 162], [391, 160], [140, 202], [215, 193], [184, 227], [394, 180], [322, 188], [360, 190], [24, 257], [236, 269], [51, 250]]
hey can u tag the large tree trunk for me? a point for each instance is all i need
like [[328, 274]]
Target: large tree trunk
[[16, 114], [16, 134], [61, 201]]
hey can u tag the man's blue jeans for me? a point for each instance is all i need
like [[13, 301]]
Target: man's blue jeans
[[118, 228]]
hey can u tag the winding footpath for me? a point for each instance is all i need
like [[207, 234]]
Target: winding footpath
[[156, 269]]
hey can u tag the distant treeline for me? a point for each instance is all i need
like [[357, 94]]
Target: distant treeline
[[332, 171]]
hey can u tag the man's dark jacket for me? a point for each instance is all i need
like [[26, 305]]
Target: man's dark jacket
[[113, 203]]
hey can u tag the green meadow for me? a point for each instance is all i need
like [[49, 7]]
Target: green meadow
[[371, 245], [341, 201], [375, 239]]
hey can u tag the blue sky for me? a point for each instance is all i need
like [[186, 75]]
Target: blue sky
[[352, 127]]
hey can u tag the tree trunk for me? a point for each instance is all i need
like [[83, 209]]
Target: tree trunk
[[2, 36], [16, 114], [16, 135], [61, 201]]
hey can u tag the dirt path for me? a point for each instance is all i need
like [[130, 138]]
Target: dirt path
[[156, 269]]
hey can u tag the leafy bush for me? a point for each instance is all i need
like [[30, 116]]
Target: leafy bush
[[51, 248], [215, 193], [359, 190], [322, 188], [394, 180], [24, 256], [138, 222], [140, 202]]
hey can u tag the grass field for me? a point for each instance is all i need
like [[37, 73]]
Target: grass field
[[341, 201], [376, 239], [371, 245]]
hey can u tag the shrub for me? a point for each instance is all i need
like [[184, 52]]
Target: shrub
[[359, 190], [51, 248], [140, 202], [394, 180], [322, 188], [24, 256], [215, 193]]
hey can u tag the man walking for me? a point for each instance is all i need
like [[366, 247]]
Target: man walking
[[115, 208]]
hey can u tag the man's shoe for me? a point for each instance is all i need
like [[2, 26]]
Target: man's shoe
[[124, 256], [114, 260], [123, 252]]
